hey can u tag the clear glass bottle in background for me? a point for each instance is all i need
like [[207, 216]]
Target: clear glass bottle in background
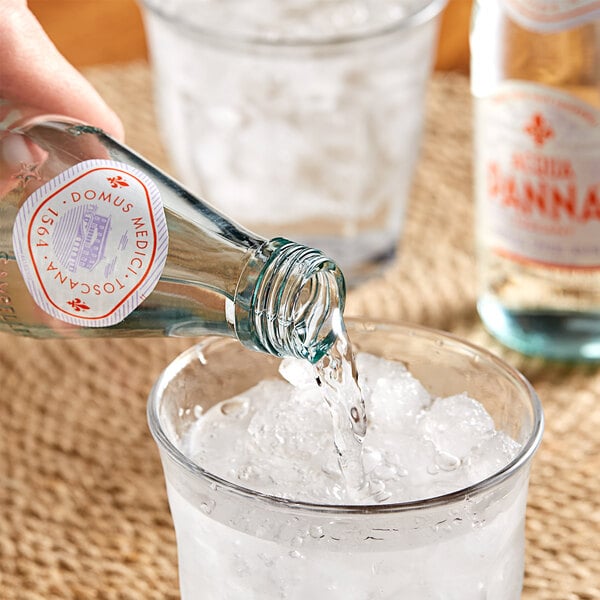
[[535, 78], [95, 241]]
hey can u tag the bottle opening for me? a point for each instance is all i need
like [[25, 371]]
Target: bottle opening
[[289, 306]]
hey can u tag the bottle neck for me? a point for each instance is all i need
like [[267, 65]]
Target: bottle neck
[[287, 299]]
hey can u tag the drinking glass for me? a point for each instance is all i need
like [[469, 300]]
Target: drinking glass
[[238, 544], [298, 119]]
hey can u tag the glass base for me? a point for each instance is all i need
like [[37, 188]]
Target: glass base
[[557, 335]]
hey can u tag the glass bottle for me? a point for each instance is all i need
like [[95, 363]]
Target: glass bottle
[[535, 78], [85, 224]]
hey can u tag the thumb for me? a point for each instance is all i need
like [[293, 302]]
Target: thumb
[[34, 73]]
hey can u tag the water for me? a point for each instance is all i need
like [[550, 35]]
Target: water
[[337, 376]]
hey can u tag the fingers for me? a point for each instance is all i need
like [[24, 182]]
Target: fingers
[[34, 73]]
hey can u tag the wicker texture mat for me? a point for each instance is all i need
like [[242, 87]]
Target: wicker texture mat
[[83, 512]]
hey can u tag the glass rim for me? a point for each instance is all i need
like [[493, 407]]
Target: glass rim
[[427, 11], [523, 457]]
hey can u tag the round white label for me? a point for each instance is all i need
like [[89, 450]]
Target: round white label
[[537, 176], [91, 243]]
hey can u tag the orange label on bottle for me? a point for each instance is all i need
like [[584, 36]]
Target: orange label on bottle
[[538, 177]]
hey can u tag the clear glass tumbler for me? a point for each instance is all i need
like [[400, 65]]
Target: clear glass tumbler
[[236, 544], [298, 119]]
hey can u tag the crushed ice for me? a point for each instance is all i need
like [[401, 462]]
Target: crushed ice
[[276, 438]]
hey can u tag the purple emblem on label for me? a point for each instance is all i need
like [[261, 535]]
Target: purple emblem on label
[[80, 238]]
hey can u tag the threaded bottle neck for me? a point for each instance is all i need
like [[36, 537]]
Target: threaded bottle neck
[[286, 301]]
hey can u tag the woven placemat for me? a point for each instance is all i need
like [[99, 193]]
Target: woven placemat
[[83, 511]]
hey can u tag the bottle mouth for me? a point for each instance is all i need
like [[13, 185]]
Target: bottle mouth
[[295, 302]]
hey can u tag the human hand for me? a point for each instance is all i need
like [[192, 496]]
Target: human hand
[[33, 73]]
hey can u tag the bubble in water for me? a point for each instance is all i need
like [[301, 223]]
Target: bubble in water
[[235, 408], [316, 532], [433, 469], [254, 476], [267, 560], [241, 565], [442, 526], [377, 491], [384, 472], [446, 461], [207, 506], [331, 468]]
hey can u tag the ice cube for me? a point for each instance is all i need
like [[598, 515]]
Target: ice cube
[[295, 423], [370, 368], [277, 438], [300, 373], [394, 396], [456, 425], [491, 455]]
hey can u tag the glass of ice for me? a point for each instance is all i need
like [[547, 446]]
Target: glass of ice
[[301, 119], [454, 527]]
